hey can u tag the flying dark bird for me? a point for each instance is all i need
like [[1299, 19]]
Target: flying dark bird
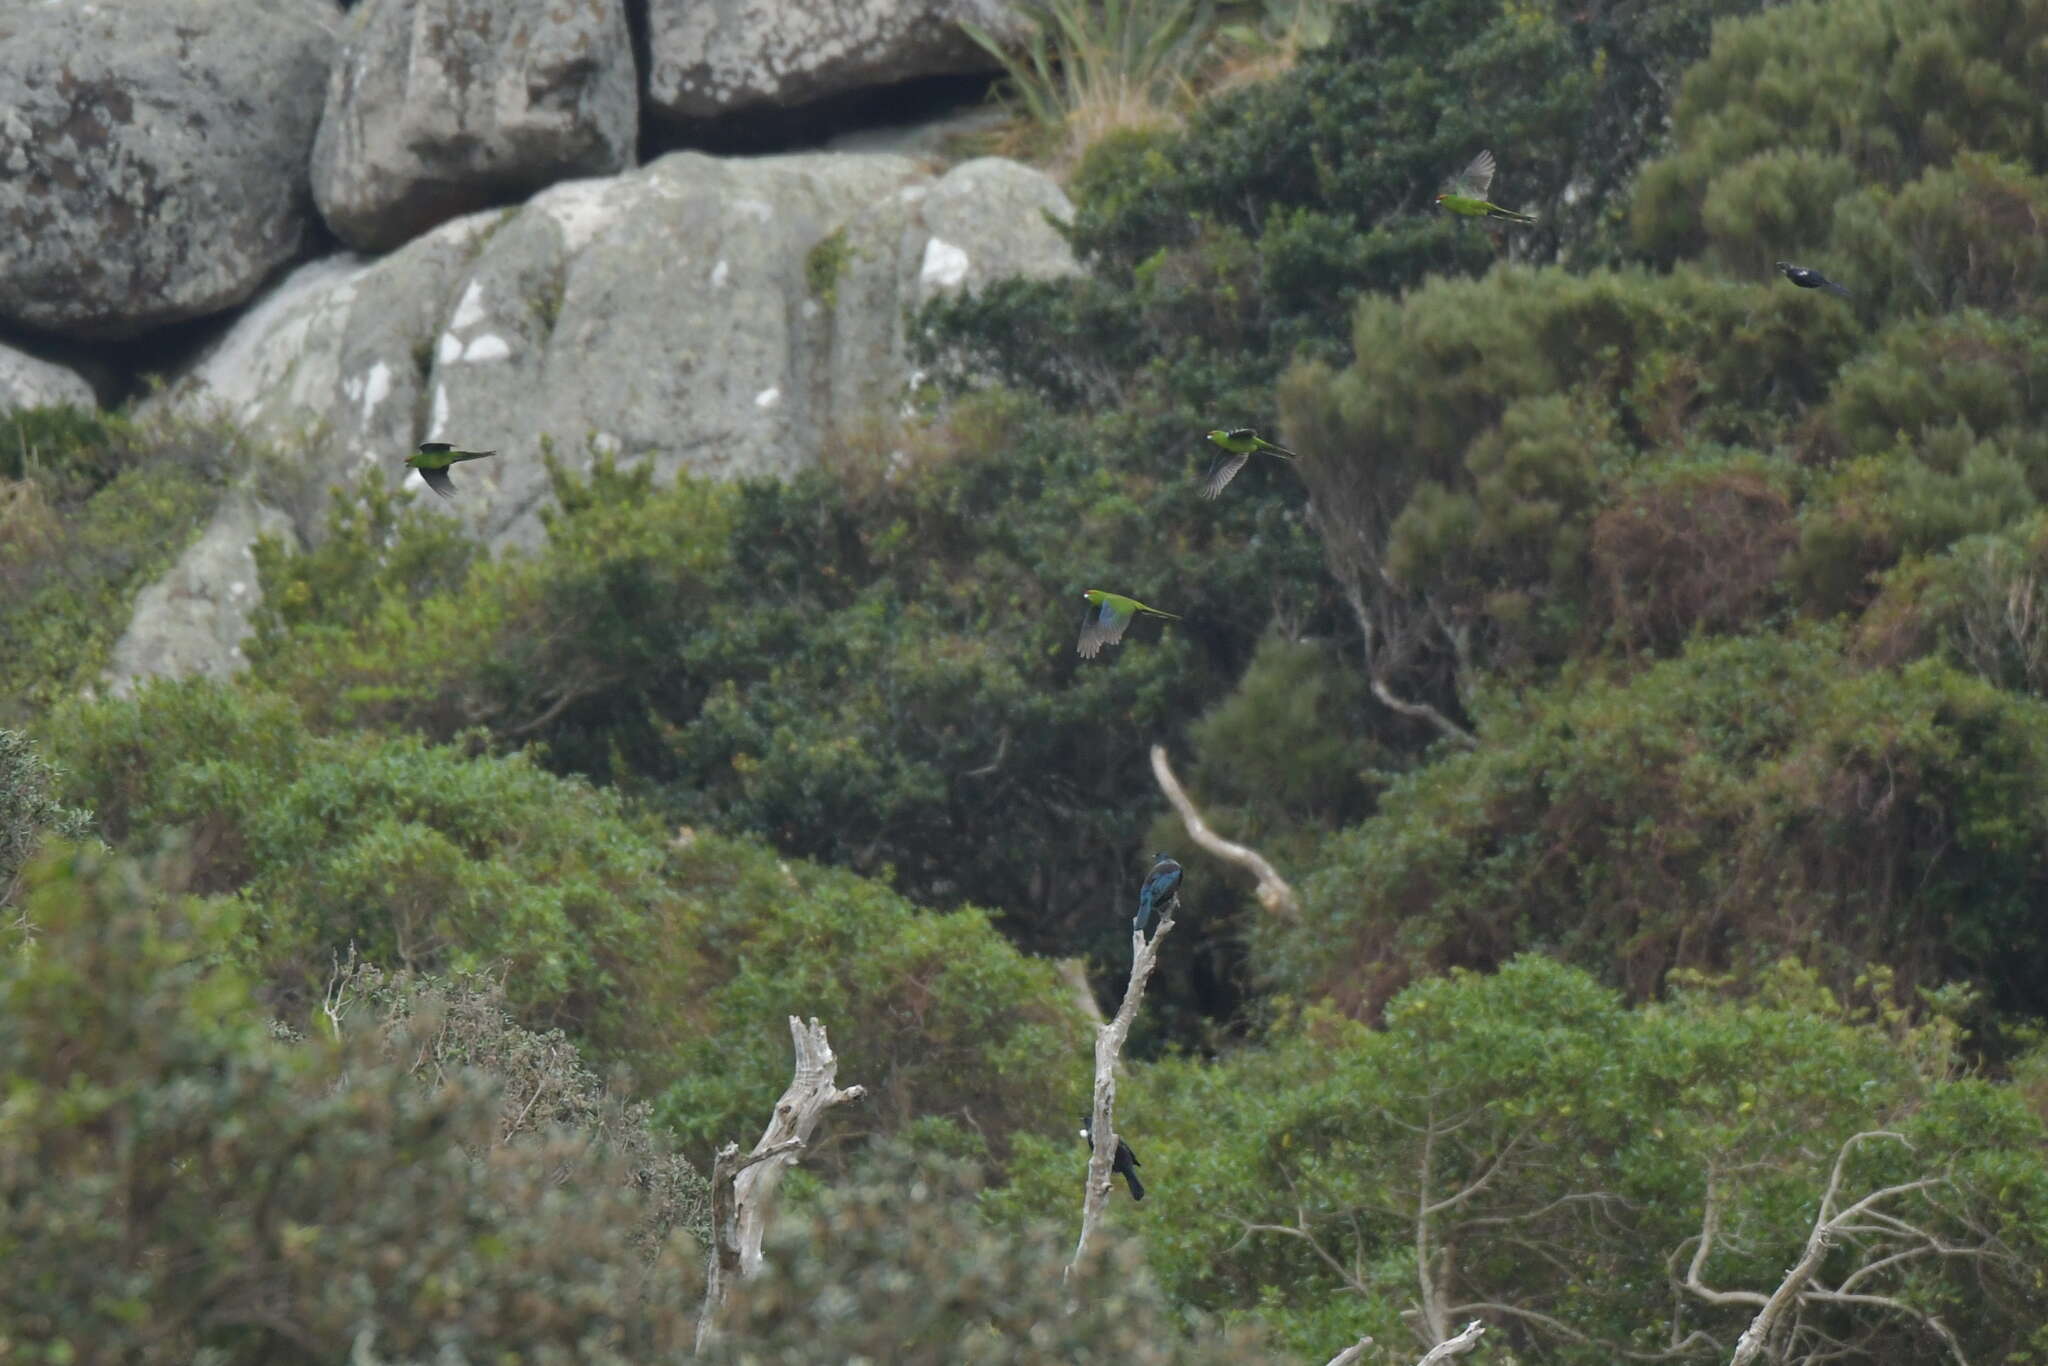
[[1125, 1163], [1162, 885], [1466, 193], [432, 460], [1108, 615], [1808, 278], [1238, 446]]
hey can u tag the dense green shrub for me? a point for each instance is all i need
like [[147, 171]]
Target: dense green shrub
[[685, 957], [1221, 249], [29, 812], [1798, 105], [896, 1265], [180, 1185], [1750, 798], [422, 856], [934, 1014], [92, 508], [871, 671], [1565, 1149]]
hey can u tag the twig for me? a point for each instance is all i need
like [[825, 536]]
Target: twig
[[1274, 893]]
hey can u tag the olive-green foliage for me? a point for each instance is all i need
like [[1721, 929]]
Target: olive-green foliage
[[896, 1266], [1567, 1146], [934, 1014], [1320, 187], [1799, 105], [687, 959], [181, 1185], [29, 813], [422, 856], [1463, 463], [1982, 603], [1749, 798], [91, 509], [874, 672], [436, 1026]]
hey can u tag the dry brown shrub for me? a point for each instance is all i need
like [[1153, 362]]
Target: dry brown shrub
[[1695, 553]]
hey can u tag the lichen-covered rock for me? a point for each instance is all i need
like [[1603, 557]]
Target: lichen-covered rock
[[26, 382], [333, 361], [712, 57], [153, 155], [437, 108], [193, 620], [732, 317]]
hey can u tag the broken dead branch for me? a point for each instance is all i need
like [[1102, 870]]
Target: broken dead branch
[[742, 1186], [1274, 893]]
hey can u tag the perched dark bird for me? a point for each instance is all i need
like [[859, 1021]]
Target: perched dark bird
[[1125, 1164], [1162, 885], [1808, 278], [1238, 445], [432, 460], [1109, 614]]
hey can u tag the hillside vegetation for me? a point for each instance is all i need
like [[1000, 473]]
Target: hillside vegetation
[[1641, 675]]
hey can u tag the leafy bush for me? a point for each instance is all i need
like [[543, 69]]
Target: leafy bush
[[1750, 798], [684, 957], [1796, 105], [181, 1185], [1565, 1149], [29, 814], [897, 1266], [934, 1014], [92, 509], [422, 856], [877, 673]]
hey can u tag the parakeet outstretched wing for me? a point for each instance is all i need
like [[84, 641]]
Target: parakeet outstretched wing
[[1224, 471], [436, 478], [1476, 180], [1105, 624]]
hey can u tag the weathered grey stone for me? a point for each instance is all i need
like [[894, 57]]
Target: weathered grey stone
[[333, 361], [441, 107], [194, 619], [153, 155], [728, 317], [26, 382], [711, 57]]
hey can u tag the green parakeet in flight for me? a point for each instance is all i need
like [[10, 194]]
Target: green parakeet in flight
[[1467, 193], [1108, 615], [432, 460], [1239, 444]]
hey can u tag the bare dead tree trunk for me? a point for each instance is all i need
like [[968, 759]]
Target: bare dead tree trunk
[[1274, 893], [1109, 1046], [741, 1186]]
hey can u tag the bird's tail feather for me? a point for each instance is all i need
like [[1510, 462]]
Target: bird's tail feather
[[1137, 1186]]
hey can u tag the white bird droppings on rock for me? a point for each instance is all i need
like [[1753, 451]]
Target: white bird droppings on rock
[[768, 397], [489, 346], [945, 265], [376, 388], [470, 311]]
